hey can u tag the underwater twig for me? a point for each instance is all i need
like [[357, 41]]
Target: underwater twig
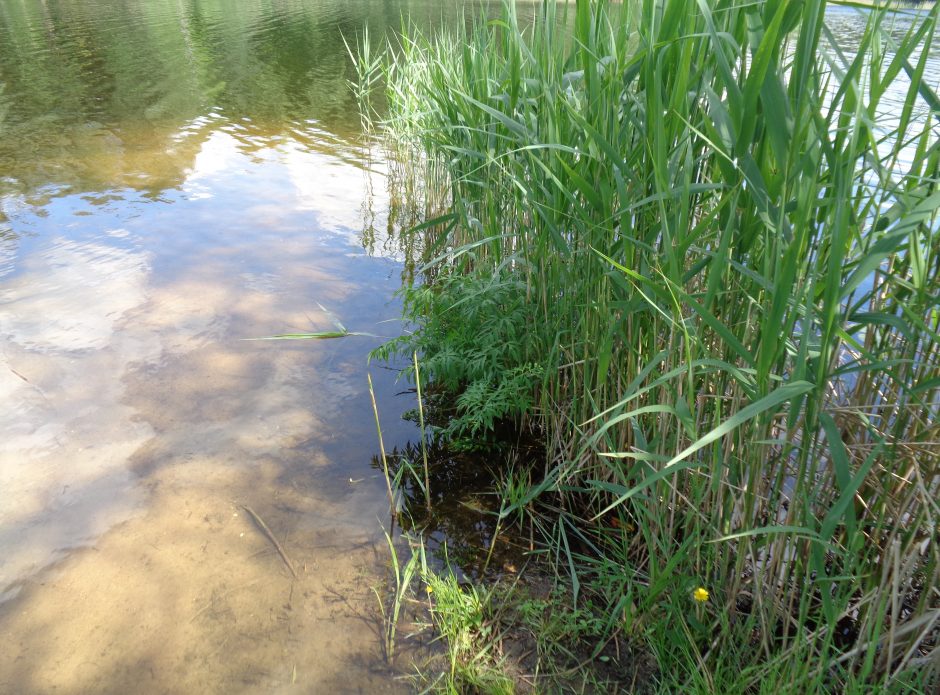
[[267, 532], [215, 599]]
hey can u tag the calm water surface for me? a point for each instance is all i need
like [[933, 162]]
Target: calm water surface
[[176, 176]]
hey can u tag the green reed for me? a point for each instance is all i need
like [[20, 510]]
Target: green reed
[[728, 267]]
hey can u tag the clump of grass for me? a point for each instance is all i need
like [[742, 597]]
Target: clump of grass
[[461, 615], [521, 634], [403, 573], [684, 242]]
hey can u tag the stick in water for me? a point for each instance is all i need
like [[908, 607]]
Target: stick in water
[[267, 532]]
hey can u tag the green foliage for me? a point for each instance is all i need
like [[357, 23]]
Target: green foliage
[[556, 623], [402, 574], [473, 335], [517, 636], [462, 616], [724, 259]]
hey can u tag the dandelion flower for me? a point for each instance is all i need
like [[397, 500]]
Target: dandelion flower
[[430, 589], [700, 594]]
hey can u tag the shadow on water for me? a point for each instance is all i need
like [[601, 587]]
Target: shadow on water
[[464, 528], [136, 424]]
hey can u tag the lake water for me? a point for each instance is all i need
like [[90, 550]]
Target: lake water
[[177, 176]]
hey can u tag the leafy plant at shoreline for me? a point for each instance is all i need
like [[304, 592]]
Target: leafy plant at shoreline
[[708, 263], [473, 341]]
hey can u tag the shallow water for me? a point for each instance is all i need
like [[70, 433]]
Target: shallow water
[[176, 176]]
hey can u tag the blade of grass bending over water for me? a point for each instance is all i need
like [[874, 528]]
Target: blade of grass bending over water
[[321, 335], [340, 331]]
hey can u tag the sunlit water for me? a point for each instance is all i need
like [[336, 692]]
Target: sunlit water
[[175, 177]]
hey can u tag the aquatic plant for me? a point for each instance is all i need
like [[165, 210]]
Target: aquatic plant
[[693, 247]]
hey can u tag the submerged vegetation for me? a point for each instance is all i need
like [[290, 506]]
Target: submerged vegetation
[[688, 247]]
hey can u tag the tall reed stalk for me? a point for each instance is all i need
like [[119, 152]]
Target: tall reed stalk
[[728, 260]]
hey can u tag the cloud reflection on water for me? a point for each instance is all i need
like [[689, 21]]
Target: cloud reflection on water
[[121, 328]]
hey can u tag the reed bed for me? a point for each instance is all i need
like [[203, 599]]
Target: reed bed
[[681, 243]]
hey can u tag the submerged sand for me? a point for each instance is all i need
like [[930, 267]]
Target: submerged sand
[[138, 424]]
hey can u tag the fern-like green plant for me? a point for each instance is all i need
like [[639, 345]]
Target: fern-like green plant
[[475, 340]]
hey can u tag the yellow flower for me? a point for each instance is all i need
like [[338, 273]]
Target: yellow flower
[[430, 589], [700, 594]]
